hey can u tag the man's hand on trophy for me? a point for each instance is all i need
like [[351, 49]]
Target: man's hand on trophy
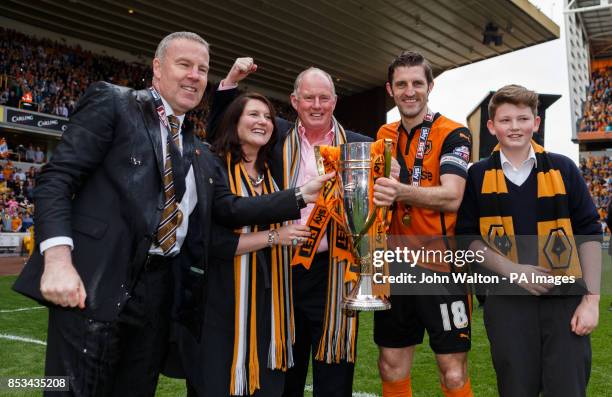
[[310, 190], [395, 169], [241, 68], [386, 191]]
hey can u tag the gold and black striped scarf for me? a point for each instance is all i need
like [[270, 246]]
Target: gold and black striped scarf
[[556, 245], [339, 332], [245, 377]]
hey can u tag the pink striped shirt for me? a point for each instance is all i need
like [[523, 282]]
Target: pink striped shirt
[[308, 170]]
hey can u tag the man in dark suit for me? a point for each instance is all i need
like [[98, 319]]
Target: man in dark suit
[[125, 200], [314, 99]]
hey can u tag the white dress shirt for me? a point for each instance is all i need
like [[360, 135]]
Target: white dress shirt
[[187, 204], [519, 175]]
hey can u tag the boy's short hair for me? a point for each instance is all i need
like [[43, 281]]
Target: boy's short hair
[[516, 95], [410, 58]]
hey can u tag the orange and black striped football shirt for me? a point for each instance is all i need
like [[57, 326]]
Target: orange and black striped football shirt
[[447, 152]]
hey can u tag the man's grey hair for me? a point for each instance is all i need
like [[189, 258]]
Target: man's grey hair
[[312, 69], [163, 45]]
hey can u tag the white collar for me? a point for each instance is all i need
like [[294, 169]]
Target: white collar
[[169, 111], [504, 160]]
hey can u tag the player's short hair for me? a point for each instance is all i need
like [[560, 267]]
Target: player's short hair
[[163, 45], [407, 59], [516, 95]]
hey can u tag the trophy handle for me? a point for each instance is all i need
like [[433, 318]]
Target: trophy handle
[[388, 157], [319, 160]]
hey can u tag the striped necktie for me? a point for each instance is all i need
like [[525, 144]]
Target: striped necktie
[[171, 215]]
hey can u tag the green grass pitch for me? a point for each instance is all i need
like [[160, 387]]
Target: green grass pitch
[[19, 358]]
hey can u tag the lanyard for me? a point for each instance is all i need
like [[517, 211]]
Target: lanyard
[[159, 107], [417, 166], [179, 172]]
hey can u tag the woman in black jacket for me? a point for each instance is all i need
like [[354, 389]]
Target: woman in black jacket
[[248, 328]]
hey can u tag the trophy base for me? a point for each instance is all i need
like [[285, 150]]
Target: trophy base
[[366, 303]]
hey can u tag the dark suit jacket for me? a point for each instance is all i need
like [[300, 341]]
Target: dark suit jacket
[[103, 188], [221, 101]]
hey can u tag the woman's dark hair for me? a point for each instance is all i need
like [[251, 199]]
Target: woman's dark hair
[[227, 140]]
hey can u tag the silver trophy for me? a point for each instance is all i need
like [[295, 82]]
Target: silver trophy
[[359, 213]]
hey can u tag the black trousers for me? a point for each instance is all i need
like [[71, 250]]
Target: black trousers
[[533, 347], [115, 358], [309, 294]]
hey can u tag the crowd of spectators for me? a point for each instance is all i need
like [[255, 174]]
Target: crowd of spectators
[[54, 75], [16, 189], [597, 172], [597, 110], [18, 170]]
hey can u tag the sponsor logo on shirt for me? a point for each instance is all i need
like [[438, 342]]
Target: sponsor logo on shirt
[[463, 152], [424, 174]]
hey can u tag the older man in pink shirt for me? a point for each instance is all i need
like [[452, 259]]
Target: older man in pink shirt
[[308, 170], [327, 342]]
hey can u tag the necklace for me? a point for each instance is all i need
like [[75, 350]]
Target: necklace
[[256, 181]]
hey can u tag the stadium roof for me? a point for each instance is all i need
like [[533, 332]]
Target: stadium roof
[[596, 18], [354, 40]]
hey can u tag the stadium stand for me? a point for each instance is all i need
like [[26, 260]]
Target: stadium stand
[[595, 160], [597, 172], [597, 110], [17, 183], [51, 76], [55, 75]]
